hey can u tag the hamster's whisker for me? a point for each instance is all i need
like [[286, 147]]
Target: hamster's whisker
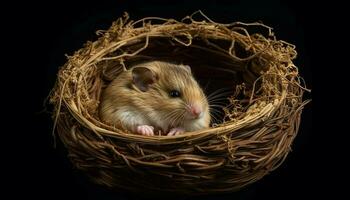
[[219, 96], [213, 111], [182, 117], [214, 119], [168, 118], [204, 101], [216, 106], [214, 114], [175, 119], [187, 106], [174, 111], [222, 100], [217, 115], [175, 116], [218, 103], [171, 114], [219, 92]]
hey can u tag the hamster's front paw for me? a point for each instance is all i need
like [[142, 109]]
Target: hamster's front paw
[[145, 130], [176, 131]]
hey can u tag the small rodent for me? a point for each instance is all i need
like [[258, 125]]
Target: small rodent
[[156, 96]]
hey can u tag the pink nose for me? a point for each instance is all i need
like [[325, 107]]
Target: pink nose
[[196, 110]]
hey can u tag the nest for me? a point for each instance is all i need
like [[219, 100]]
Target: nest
[[251, 136]]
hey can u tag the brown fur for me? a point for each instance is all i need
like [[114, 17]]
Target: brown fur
[[154, 106]]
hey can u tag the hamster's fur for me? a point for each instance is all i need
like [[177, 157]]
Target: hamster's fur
[[156, 96]]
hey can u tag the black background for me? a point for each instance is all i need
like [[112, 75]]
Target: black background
[[53, 29]]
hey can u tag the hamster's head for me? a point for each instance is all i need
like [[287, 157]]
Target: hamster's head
[[172, 93]]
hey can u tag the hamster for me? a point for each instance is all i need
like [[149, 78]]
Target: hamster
[[156, 96]]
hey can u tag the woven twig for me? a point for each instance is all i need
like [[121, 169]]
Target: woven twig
[[253, 138]]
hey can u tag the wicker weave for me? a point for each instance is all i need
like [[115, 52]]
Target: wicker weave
[[252, 139]]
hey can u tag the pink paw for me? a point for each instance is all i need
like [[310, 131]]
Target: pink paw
[[145, 130], [176, 131]]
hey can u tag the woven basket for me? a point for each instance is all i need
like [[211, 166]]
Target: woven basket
[[252, 138]]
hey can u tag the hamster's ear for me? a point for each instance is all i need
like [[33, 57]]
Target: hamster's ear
[[188, 68], [142, 77]]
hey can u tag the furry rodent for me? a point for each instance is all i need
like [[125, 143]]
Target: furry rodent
[[156, 96]]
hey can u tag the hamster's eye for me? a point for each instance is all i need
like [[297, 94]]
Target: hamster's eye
[[174, 93]]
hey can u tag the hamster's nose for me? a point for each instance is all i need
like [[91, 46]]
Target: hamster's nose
[[196, 110]]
